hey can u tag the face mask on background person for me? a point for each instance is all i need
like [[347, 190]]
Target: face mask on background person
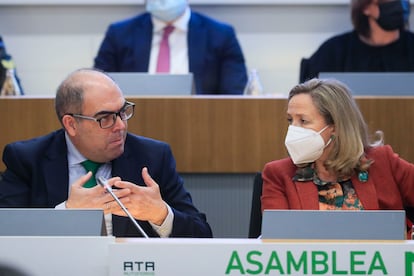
[[392, 15], [304, 145], [166, 10]]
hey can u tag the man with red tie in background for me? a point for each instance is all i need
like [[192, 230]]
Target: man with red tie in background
[[194, 43]]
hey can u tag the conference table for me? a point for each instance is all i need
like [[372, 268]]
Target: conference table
[[43, 256], [213, 134]]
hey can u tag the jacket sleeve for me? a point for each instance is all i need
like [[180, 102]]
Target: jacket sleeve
[[188, 221]]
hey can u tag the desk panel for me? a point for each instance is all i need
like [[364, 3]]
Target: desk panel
[[51, 255], [68, 256], [213, 134], [256, 257]]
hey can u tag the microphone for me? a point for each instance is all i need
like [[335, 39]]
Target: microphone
[[104, 183]]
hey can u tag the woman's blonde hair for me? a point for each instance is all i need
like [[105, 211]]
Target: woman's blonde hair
[[335, 103]]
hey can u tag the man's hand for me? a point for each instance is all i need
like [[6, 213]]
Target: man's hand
[[144, 203], [95, 197]]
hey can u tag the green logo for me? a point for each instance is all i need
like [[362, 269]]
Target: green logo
[[409, 261], [307, 262]]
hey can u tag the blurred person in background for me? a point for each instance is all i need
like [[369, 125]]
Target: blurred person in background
[[207, 48], [9, 82], [379, 42]]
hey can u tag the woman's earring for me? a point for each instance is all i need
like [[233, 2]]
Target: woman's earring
[[363, 176]]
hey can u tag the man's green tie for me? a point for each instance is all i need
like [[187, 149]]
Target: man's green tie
[[92, 167]]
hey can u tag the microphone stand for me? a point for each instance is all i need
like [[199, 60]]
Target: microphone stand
[[104, 183]]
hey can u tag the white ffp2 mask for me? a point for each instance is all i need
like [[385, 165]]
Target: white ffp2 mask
[[304, 145]]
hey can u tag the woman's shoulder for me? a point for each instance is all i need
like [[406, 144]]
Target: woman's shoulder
[[407, 33], [331, 52], [282, 165], [339, 40], [380, 152], [408, 37]]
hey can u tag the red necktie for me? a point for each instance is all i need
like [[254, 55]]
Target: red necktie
[[163, 62]]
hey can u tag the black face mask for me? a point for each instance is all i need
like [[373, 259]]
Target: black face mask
[[392, 15]]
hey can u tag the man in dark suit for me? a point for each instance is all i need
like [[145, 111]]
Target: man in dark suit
[[48, 171], [201, 45]]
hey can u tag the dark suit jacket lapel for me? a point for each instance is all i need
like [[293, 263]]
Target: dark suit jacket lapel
[[125, 167], [121, 168], [142, 41], [197, 41], [56, 170]]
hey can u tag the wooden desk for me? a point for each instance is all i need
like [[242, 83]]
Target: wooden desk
[[213, 134]]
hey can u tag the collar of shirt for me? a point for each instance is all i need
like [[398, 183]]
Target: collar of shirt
[[74, 162], [74, 156], [181, 23]]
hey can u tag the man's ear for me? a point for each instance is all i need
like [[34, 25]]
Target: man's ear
[[70, 124]]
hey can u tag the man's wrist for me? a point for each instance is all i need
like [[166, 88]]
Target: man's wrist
[[163, 214]]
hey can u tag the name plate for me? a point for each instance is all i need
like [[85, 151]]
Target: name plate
[[160, 257]]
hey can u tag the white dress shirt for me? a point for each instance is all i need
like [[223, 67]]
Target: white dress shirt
[[179, 63]]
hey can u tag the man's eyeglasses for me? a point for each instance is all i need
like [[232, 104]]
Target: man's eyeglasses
[[108, 119]]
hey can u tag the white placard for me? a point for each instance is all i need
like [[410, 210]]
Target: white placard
[[158, 257], [254, 257]]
